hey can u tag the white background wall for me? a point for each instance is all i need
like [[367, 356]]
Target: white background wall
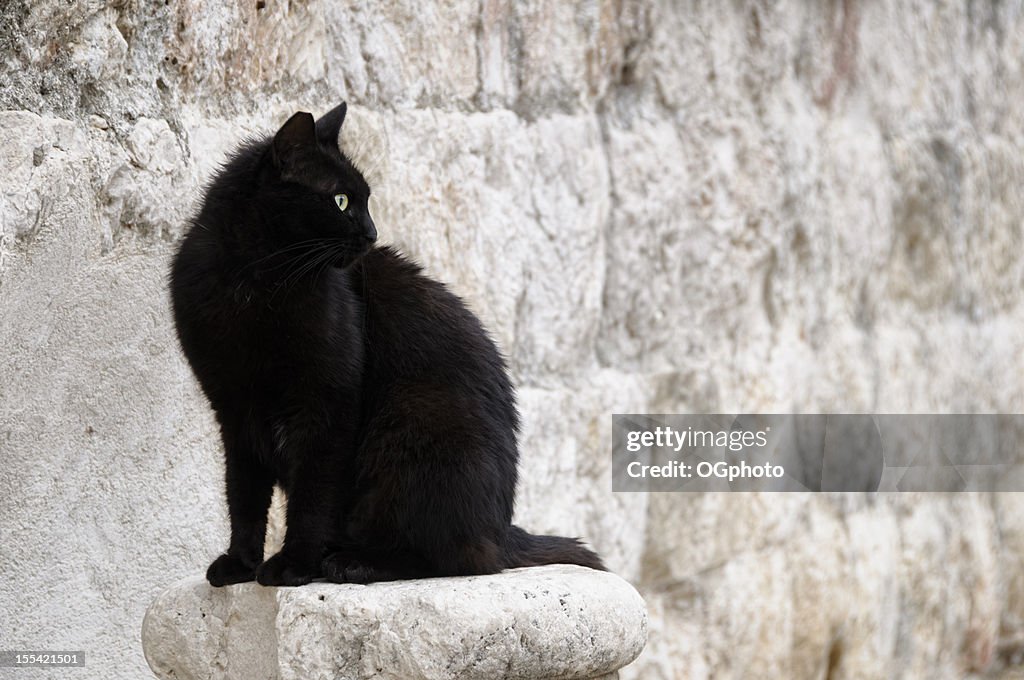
[[654, 206]]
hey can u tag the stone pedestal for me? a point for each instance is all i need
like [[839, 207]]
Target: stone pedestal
[[543, 622]]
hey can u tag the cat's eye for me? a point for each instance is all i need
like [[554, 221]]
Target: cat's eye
[[342, 201]]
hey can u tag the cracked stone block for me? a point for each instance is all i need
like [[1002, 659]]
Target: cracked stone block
[[560, 621]]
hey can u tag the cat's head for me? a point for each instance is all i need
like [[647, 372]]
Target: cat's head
[[318, 194]]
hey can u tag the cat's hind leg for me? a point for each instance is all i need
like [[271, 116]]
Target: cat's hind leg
[[439, 486], [369, 566]]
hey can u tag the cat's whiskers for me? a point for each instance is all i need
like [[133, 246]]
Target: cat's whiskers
[[307, 262], [306, 266], [338, 250], [298, 263], [301, 245]]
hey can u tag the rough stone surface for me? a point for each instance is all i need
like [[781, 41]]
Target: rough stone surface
[[546, 622], [655, 205]]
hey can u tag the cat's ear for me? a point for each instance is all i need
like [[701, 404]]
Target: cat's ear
[[294, 141], [329, 125]]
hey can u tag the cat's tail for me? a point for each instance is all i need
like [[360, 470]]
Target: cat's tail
[[527, 550]]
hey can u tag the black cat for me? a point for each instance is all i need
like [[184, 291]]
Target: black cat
[[340, 372]]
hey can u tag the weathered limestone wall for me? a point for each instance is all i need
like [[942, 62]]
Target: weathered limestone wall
[[655, 206]]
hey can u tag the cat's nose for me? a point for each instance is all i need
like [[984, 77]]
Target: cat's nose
[[369, 230]]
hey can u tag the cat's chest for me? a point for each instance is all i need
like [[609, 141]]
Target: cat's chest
[[287, 337], [281, 349], [310, 334]]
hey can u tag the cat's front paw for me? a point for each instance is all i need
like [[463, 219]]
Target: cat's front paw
[[228, 569], [280, 570]]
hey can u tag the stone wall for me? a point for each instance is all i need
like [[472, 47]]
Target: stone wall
[[654, 206]]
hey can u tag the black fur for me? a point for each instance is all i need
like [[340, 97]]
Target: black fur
[[340, 372]]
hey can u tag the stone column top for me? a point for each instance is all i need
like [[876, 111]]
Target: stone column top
[[557, 621]]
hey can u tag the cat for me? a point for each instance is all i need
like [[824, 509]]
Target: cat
[[340, 372]]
